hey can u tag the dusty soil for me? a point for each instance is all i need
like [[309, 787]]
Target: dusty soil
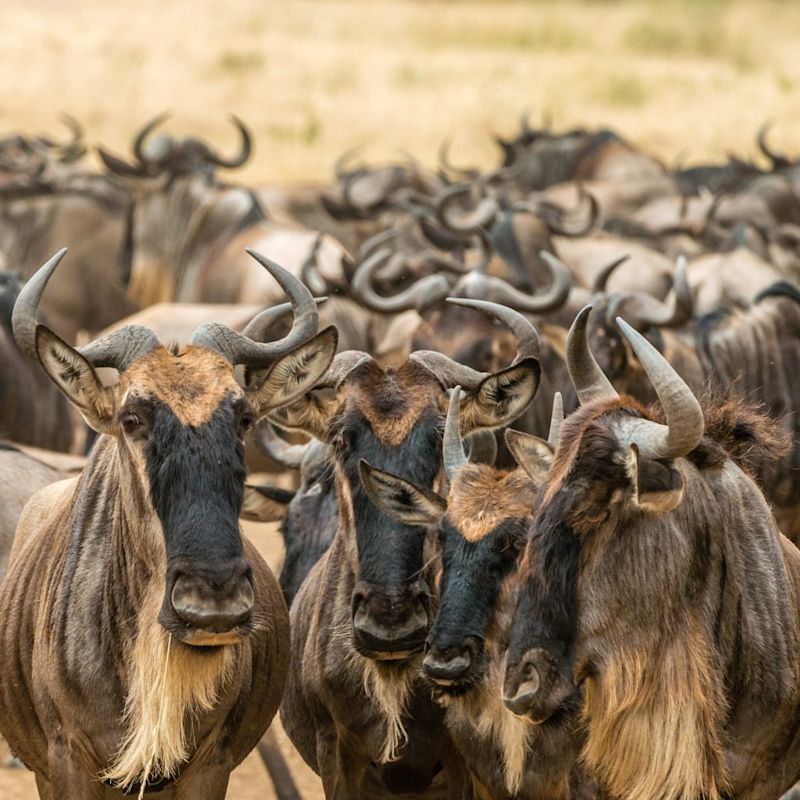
[[249, 781]]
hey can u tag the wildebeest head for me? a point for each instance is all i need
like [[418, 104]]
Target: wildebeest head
[[308, 516], [481, 536], [455, 328], [392, 419], [177, 418], [646, 314], [616, 475]]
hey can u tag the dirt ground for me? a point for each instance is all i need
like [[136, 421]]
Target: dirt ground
[[249, 781]]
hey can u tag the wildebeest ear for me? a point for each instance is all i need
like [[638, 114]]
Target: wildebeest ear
[[265, 503], [401, 499], [500, 398], [76, 378], [656, 486], [294, 374], [533, 454]]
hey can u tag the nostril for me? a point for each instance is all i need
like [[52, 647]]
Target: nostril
[[202, 604], [448, 666]]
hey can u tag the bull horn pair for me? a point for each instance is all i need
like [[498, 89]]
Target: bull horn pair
[[453, 373], [685, 425], [453, 456], [447, 370], [432, 290], [121, 348], [556, 217], [429, 291]]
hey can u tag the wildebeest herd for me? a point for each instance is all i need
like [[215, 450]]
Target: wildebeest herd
[[541, 423]]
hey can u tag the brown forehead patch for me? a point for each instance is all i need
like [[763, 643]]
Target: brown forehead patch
[[393, 400], [481, 498], [192, 382]]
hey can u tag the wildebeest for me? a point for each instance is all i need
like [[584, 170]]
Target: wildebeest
[[32, 410], [187, 230], [658, 584], [20, 476], [356, 710], [481, 537], [144, 643], [309, 516]]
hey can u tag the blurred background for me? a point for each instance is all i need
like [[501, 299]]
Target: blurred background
[[684, 79]]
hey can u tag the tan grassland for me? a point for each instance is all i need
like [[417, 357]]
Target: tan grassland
[[687, 79]]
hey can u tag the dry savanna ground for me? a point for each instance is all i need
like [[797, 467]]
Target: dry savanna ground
[[688, 79]]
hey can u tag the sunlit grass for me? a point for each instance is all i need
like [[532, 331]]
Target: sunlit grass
[[315, 77]]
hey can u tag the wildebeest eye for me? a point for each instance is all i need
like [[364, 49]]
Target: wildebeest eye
[[131, 423]]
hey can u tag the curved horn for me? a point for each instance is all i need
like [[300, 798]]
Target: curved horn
[[117, 350], [453, 458], [588, 379], [601, 278], [309, 270], [340, 165], [239, 348], [139, 140], [685, 424], [556, 418], [120, 166], [279, 450], [258, 327], [453, 373], [342, 365], [426, 292], [555, 217], [480, 217], [501, 292], [366, 191], [649, 312], [528, 343], [244, 151], [446, 166], [777, 159], [23, 318], [375, 242]]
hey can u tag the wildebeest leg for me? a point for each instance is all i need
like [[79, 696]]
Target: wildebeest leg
[[341, 766], [67, 777], [278, 769], [210, 783], [44, 788]]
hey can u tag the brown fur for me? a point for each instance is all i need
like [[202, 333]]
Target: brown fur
[[192, 382], [96, 688], [686, 636], [392, 401], [481, 497]]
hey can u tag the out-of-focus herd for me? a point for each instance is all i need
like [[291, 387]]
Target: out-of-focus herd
[[542, 428]]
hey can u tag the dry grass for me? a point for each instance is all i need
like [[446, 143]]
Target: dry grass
[[313, 77]]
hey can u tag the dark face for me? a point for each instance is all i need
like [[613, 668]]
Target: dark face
[[584, 480], [392, 421], [185, 439], [309, 526], [473, 577], [467, 336]]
